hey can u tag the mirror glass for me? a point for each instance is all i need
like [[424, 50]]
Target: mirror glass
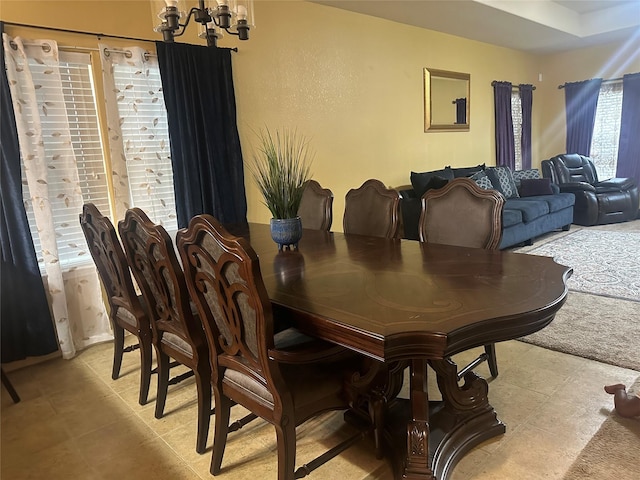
[[446, 100]]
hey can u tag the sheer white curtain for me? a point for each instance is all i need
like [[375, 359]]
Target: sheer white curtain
[[51, 171], [138, 134]]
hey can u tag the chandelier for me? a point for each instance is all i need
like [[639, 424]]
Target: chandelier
[[233, 16]]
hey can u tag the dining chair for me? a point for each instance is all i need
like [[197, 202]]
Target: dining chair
[[177, 331], [126, 311], [285, 378], [316, 207], [372, 209], [463, 214]]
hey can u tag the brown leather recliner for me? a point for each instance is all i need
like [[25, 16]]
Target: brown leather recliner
[[597, 202]]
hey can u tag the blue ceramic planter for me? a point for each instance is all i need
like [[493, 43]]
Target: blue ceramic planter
[[286, 232]]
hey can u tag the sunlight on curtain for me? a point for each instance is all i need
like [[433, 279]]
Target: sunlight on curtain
[[55, 192], [138, 134], [606, 130]]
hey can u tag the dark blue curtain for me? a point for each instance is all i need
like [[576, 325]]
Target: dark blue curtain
[[526, 101], [27, 328], [629, 146], [505, 146], [208, 172], [581, 101], [461, 110]]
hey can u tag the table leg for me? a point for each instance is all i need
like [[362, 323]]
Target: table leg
[[418, 465]]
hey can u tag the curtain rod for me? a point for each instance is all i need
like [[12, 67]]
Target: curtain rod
[[47, 48], [65, 30], [513, 87], [609, 80]]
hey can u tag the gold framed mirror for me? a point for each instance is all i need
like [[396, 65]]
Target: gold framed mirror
[[446, 100]]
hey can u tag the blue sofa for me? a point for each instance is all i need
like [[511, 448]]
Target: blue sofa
[[526, 214]]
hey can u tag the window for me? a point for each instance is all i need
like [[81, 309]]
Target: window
[[606, 130], [516, 118], [79, 96]]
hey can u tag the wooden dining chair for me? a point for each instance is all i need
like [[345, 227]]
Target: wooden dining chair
[[286, 377], [372, 209], [177, 331], [126, 311], [316, 207], [463, 214]]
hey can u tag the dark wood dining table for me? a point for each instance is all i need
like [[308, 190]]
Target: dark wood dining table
[[416, 304]]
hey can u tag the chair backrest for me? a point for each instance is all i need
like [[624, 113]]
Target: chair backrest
[[462, 214], [223, 275], [154, 263], [316, 207], [109, 259], [571, 168], [372, 210]]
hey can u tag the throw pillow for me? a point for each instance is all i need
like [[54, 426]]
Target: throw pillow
[[435, 183], [503, 181], [518, 175], [419, 181], [530, 187], [482, 180], [467, 171]]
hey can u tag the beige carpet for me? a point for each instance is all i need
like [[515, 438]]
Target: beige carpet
[[598, 327], [592, 326], [614, 450]]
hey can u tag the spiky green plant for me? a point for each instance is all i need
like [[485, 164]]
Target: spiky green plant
[[280, 167]]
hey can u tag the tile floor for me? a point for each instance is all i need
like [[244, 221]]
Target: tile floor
[[74, 422]]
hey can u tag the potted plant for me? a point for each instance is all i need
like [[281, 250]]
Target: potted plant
[[281, 166]]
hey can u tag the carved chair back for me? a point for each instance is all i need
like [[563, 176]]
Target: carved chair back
[[372, 209], [316, 207], [462, 214], [224, 278], [153, 260]]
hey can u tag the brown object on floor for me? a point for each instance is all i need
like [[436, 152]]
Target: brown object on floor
[[626, 405], [177, 331], [125, 307]]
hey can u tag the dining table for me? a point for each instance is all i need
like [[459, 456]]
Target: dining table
[[409, 304]]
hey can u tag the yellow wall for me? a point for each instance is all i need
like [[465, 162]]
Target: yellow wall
[[353, 84]]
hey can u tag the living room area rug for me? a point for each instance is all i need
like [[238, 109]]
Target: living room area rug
[[601, 318], [604, 262], [613, 451]]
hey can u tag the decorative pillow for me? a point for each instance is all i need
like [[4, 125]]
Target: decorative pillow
[[435, 183], [467, 171], [420, 180], [482, 180], [503, 181], [530, 187], [518, 175]]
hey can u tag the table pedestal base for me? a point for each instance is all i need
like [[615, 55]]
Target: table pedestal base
[[450, 438]]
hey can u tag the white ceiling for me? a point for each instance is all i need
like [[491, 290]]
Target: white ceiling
[[538, 26]]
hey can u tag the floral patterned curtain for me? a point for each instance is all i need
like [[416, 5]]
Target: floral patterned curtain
[[138, 134], [74, 294]]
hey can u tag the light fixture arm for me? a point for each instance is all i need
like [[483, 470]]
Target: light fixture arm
[[220, 16]]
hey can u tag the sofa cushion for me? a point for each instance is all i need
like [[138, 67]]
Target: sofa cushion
[[511, 217], [482, 180], [531, 207], [420, 180], [556, 202], [503, 181], [466, 171], [530, 187]]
